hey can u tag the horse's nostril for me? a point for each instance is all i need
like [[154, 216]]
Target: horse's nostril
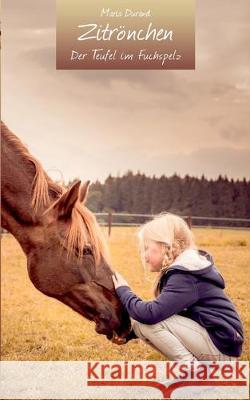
[[109, 336]]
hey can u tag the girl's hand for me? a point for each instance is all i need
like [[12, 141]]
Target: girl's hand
[[119, 280]]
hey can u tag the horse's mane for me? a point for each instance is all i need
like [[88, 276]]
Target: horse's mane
[[83, 229], [40, 184]]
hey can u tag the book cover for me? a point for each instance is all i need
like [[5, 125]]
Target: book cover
[[113, 113]]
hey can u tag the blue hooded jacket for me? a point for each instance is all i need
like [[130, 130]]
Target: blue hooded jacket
[[191, 287]]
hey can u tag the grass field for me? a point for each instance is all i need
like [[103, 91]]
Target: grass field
[[35, 327]]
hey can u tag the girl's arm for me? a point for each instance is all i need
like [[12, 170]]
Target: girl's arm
[[179, 293]]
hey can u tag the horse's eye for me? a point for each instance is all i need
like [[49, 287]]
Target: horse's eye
[[87, 250]]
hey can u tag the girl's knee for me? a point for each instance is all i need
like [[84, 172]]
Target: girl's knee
[[137, 328], [143, 330]]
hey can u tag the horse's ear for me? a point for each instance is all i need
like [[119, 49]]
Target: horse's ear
[[66, 202], [84, 192]]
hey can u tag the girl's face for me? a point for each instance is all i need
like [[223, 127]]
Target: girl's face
[[154, 254]]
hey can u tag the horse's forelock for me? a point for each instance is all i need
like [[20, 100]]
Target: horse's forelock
[[84, 231]]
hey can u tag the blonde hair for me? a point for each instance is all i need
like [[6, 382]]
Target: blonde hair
[[173, 233]]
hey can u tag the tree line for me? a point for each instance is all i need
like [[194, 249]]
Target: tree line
[[138, 193]]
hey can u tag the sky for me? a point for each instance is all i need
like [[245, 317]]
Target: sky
[[88, 124]]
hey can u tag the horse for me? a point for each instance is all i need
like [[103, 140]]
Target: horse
[[67, 256]]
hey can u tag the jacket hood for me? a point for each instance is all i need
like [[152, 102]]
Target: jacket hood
[[198, 263]]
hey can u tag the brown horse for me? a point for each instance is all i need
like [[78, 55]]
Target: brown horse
[[66, 254]]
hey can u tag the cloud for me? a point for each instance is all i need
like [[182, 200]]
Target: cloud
[[43, 57], [149, 120], [208, 161], [29, 14], [213, 51], [235, 133]]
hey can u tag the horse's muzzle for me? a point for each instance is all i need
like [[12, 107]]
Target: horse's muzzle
[[118, 340], [112, 336]]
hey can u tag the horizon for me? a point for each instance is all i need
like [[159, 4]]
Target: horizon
[[92, 123], [118, 175]]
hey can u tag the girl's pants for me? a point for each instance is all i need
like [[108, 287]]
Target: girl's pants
[[180, 338]]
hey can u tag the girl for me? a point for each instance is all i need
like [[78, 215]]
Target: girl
[[191, 317]]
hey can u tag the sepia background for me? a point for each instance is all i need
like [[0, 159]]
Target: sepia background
[[89, 124], [92, 123]]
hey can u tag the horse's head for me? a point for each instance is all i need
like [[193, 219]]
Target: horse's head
[[60, 237], [71, 264]]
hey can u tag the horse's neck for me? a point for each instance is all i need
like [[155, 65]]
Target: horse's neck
[[18, 172], [17, 177]]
